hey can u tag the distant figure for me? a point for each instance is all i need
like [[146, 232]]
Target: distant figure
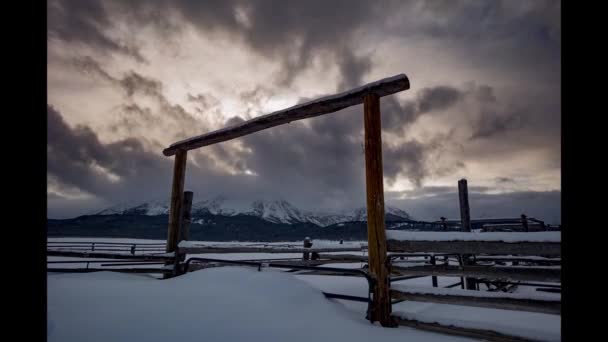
[[341, 241]]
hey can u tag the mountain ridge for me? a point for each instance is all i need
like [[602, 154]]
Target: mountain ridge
[[274, 211]]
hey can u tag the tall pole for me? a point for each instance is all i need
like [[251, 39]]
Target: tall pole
[[376, 235], [465, 215], [465, 219], [177, 200]]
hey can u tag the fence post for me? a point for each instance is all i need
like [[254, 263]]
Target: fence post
[[376, 234], [177, 199], [465, 214], [307, 244], [184, 230], [433, 278], [524, 222], [465, 219]]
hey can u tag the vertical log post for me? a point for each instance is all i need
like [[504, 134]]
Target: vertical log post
[[465, 214], [524, 222], [376, 235], [307, 244], [184, 231], [177, 194], [465, 219], [433, 278]]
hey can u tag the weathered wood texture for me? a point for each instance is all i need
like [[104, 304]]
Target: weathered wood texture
[[524, 222], [121, 270], [465, 213], [476, 247], [306, 244], [376, 234], [518, 304], [184, 231], [485, 335], [345, 257], [306, 110], [177, 197], [224, 250], [512, 273], [538, 261], [79, 254]]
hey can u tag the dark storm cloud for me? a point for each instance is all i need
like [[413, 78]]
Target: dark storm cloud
[[83, 22], [177, 121], [122, 170], [77, 158], [396, 117], [322, 159], [290, 32]]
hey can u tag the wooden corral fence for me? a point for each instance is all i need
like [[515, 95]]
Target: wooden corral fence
[[380, 264], [369, 95]]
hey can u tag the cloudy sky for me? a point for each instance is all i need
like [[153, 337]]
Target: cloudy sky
[[128, 78]]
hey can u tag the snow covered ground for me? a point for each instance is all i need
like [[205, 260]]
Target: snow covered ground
[[241, 304]]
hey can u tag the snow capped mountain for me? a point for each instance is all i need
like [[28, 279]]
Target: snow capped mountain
[[276, 211], [150, 208]]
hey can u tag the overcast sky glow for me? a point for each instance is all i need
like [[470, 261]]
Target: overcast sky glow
[[128, 78]]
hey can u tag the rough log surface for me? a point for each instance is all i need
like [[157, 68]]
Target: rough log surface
[[306, 110]]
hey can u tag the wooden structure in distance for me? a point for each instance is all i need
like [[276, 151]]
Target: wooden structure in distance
[[368, 94]]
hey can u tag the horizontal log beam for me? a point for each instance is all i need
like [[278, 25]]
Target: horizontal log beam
[[306, 110], [121, 270], [107, 255], [513, 273], [504, 303], [344, 257], [476, 247], [486, 335], [223, 250], [540, 261]]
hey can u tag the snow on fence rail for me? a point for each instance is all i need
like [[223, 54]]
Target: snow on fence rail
[[188, 247], [511, 273], [542, 303], [527, 244]]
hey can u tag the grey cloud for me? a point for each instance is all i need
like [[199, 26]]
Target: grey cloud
[[443, 202], [83, 22]]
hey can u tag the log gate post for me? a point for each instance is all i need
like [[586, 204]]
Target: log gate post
[[177, 199], [376, 235]]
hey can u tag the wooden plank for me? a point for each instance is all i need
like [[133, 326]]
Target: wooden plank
[[224, 250], [518, 304], [512, 273], [101, 255], [344, 257], [539, 261], [486, 335], [306, 110], [376, 230], [476, 247], [121, 270], [177, 197]]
